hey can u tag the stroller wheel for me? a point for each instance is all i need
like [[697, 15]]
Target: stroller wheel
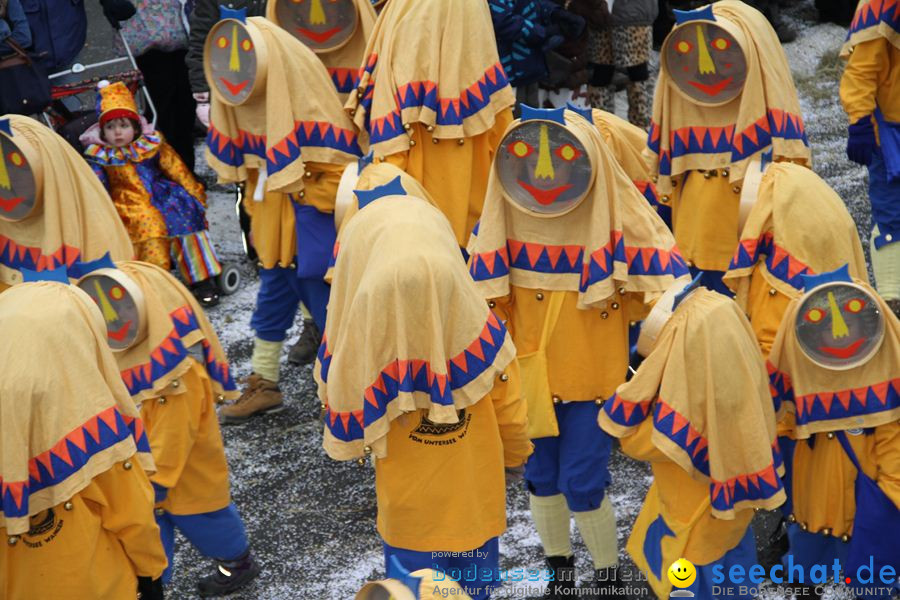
[[229, 279]]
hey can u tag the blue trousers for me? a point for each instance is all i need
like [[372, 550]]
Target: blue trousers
[[478, 571], [574, 463], [743, 554], [280, 294], [885, 198], [219, 534]]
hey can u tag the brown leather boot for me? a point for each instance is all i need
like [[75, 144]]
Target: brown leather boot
[[260, 396]]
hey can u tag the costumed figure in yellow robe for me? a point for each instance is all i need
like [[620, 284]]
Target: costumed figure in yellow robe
[[278, 126], [158, 198], [724, 96], [835, 365], [794, 224], [336, 30], [175, 369], [76, 507], [436, 401], [698, 410], [568, 252], [434, 100], [53, 210], [870, 94]]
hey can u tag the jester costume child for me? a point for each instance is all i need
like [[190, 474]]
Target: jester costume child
[[158, 199], [569, 253], [870, 93], [835, 366], [434, 100], [795, 225], [53, 211], [277, 125], [76, 507], [724, 96], [173, 366], [436, 402], [336, 30], [699, 411]]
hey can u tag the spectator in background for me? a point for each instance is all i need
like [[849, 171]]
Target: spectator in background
[[158, 38], [203, 17], [59, 27], [625, 45], [13, 25], [523, 36]]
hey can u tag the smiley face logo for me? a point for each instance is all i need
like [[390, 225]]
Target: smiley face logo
[[18, 183], [121, 303], [232, 61], [544, 168], [323, 25], [682, 573], [839, 325], [705, 62]]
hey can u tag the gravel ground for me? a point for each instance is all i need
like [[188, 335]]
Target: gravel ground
[[312, 520]]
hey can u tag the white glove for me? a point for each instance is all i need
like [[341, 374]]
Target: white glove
[[203, 108]]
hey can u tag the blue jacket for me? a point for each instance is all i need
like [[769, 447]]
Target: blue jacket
[[59, 28], [520, 28], [14, 25]]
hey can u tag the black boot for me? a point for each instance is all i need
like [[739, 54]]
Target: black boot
[[206, 292], [563, 569], [230, 576], [305, 350]]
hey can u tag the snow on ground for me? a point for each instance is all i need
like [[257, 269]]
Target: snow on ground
[[312, 520]]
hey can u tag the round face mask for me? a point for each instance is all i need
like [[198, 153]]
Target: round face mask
[[706, 62], [839, 325], [18, 184], [544, 168], [121, 303], [323, 25], [232, 60]]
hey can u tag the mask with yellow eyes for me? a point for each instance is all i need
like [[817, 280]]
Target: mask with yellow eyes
[[235, 60], [323, 25], [121, 303], [543, 167], [839, 325], [20, 176], [706, 61]]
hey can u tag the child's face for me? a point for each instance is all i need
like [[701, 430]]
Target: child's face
[[118, 132]]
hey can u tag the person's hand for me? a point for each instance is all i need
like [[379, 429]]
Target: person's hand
[[202, 100], [116, 11], [861, 141], [571, 24]]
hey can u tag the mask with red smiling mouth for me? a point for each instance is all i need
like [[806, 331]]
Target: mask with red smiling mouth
[[233, 60], [705, 61], [19, 181], [839, 325], [121, 302], [323, 25], [543, 167]]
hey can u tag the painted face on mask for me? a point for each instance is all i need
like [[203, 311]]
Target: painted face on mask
[[18, 184], [232, 60], [839, 325], [706, 62], [323, 25], [121, 303], [544, 168]]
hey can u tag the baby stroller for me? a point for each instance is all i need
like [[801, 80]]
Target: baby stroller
[[72, 112]]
